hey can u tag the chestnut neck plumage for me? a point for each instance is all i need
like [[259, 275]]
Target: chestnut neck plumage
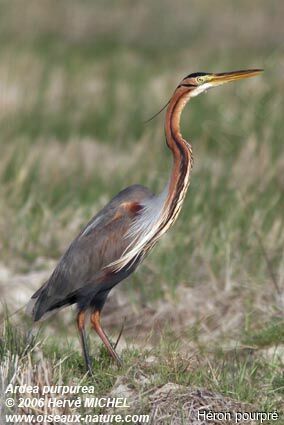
[[160, 212], [182, 154]]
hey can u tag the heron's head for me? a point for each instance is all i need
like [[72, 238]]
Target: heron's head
[[199, 82]]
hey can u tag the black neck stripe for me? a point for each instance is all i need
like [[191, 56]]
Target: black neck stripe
[[187, 85]]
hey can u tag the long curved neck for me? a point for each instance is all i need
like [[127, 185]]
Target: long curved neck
[[182, 153], [161, 212]]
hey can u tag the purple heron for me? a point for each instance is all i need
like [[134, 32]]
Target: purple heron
[[117, 238]]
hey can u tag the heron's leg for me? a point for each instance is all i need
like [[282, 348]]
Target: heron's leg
[[96, 323], [81, 328]]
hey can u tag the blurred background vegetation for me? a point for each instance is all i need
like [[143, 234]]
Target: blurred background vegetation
[[77, 81]]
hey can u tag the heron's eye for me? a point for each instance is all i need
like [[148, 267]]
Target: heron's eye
[[201, 80]]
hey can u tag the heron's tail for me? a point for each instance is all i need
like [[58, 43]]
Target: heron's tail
[[42, 305], [37, 306]]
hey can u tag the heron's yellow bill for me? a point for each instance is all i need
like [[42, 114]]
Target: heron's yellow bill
[[225, 77]]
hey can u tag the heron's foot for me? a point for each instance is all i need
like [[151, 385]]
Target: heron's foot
[[89, 366], [90, 371], [117, 359]]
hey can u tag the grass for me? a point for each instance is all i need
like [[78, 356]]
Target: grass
[[75, 91], [271, 334], [238, 376]]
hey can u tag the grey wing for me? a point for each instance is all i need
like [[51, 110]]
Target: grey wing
[[100, 243]]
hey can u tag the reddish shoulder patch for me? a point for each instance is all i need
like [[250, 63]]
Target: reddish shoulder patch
[[132, 207], [127, 208]]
